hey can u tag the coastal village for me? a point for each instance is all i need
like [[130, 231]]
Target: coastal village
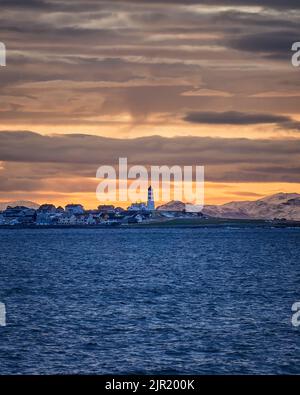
[[281, 208], [76, 215]]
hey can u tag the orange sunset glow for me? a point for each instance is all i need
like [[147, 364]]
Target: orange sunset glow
[[205, 83]]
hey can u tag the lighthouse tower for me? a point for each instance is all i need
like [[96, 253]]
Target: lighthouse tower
[[150, 202]]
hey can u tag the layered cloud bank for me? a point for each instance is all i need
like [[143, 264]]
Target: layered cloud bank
[[102, 79], [128, 67], [68, 163]]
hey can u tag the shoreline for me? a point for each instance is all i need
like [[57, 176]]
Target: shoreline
[[174, 223]]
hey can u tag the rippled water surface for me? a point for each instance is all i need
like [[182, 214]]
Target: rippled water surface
[[155, 301]]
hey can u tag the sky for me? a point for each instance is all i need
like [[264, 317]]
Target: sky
[[161, 82]]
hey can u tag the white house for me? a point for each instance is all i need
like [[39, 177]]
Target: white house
[[74, 209]]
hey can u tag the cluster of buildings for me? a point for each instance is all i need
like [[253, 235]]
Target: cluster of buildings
[[75, 214]]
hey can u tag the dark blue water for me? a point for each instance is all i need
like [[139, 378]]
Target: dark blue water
[[153, 301]]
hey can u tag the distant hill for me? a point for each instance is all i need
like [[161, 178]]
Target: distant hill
[[280, 205], [174, 205], [24, 203]]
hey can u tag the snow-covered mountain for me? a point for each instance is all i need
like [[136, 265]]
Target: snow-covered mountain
[[25, 203], [281, 205], [174, 205]]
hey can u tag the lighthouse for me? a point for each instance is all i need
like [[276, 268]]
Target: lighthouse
[[150, 202]]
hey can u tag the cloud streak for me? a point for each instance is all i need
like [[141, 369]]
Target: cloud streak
[[234, 118], [230, 160]]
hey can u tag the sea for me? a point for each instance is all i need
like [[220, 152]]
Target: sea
[[150, 300]]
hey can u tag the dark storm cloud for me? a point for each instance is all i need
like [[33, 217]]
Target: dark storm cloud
[[81, 148], [231, 160], [275, 44], [289, 4], [23, 4], [234, 118]]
